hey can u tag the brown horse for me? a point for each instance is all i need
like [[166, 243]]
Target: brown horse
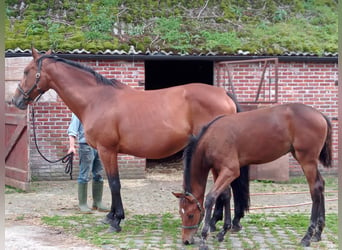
[[118, 119], [255, 137]]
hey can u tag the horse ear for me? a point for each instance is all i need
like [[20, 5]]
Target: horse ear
[[49, 52], [178, 195], [35, 53], [190, 198]]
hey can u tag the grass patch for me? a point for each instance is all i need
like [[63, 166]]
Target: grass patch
[[330, 181], [11, 190], [296, 183], [164, 231], [134, 229]]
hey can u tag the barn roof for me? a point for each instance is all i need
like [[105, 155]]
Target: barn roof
[[173, 28], [133, 54]]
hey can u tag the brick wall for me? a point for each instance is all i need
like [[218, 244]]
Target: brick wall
[[309, 83], [313, 84], [51, 123]]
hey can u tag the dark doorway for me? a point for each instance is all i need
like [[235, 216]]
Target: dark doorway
[[163, 74]]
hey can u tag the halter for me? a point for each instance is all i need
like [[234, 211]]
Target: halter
[[199, 208], [68, 159], [41, 92]]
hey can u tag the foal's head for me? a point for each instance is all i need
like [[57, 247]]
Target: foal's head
[[191, 212]]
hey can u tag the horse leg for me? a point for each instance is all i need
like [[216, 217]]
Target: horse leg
[[317, 219], [321, 212], [218, 211], [223, 181], [217, 214], [209, 203], [116, 214], [225, 196]]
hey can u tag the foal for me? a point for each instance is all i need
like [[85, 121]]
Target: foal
[[256, 137]]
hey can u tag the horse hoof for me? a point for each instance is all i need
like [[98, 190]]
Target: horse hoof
[[235, 229], [305, 243], [316, 238], [220, 237], [203, 247], [112, 229]]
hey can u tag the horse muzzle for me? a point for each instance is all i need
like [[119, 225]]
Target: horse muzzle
[[20, 102], [188, 239], [189, 242]]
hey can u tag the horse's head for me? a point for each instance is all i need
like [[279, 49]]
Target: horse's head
[[33, 83], [191, 212]]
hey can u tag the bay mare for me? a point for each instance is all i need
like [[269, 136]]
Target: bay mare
[[118, 119], [254, 137]]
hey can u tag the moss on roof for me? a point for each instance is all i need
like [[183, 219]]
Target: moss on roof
[[259, 26]]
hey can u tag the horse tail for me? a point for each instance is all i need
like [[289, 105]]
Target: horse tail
[[240, 185], [240, 188], [237, 104], [325, 157]]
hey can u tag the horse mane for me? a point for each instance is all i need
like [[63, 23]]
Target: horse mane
[[189, 151], [100, 79]]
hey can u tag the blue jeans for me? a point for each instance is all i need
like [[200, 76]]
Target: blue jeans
[[89, 161]]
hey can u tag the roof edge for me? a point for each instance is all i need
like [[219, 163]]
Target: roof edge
[[167, 56]]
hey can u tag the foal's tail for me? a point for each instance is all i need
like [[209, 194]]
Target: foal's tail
[[240, 185], [325, 157]]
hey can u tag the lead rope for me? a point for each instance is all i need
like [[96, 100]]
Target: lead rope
[[68, 159]]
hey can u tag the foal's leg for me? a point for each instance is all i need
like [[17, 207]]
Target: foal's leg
[[317, 219], [217, 214], [226, 176], [221, 203], [227, 224], [116, 214]]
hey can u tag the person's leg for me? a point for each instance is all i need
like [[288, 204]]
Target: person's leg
[[97, 188], [86, 157]]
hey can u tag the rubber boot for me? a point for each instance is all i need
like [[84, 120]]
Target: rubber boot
[[82, 198], [97, 197]]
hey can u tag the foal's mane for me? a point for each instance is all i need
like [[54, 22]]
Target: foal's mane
[[189, 151], [100, 79]]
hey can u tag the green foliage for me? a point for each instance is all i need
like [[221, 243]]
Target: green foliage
[[171, 32], [89, 227], [100, 20], [164, 231], [217, 41], [169, 29], [262, 26], [10, 190]]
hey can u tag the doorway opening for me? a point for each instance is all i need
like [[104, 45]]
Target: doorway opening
[[163, 74]]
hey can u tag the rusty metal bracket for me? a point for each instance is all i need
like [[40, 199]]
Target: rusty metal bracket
[[264, 88]]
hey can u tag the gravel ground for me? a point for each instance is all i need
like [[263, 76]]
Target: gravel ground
[[24, 229]]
